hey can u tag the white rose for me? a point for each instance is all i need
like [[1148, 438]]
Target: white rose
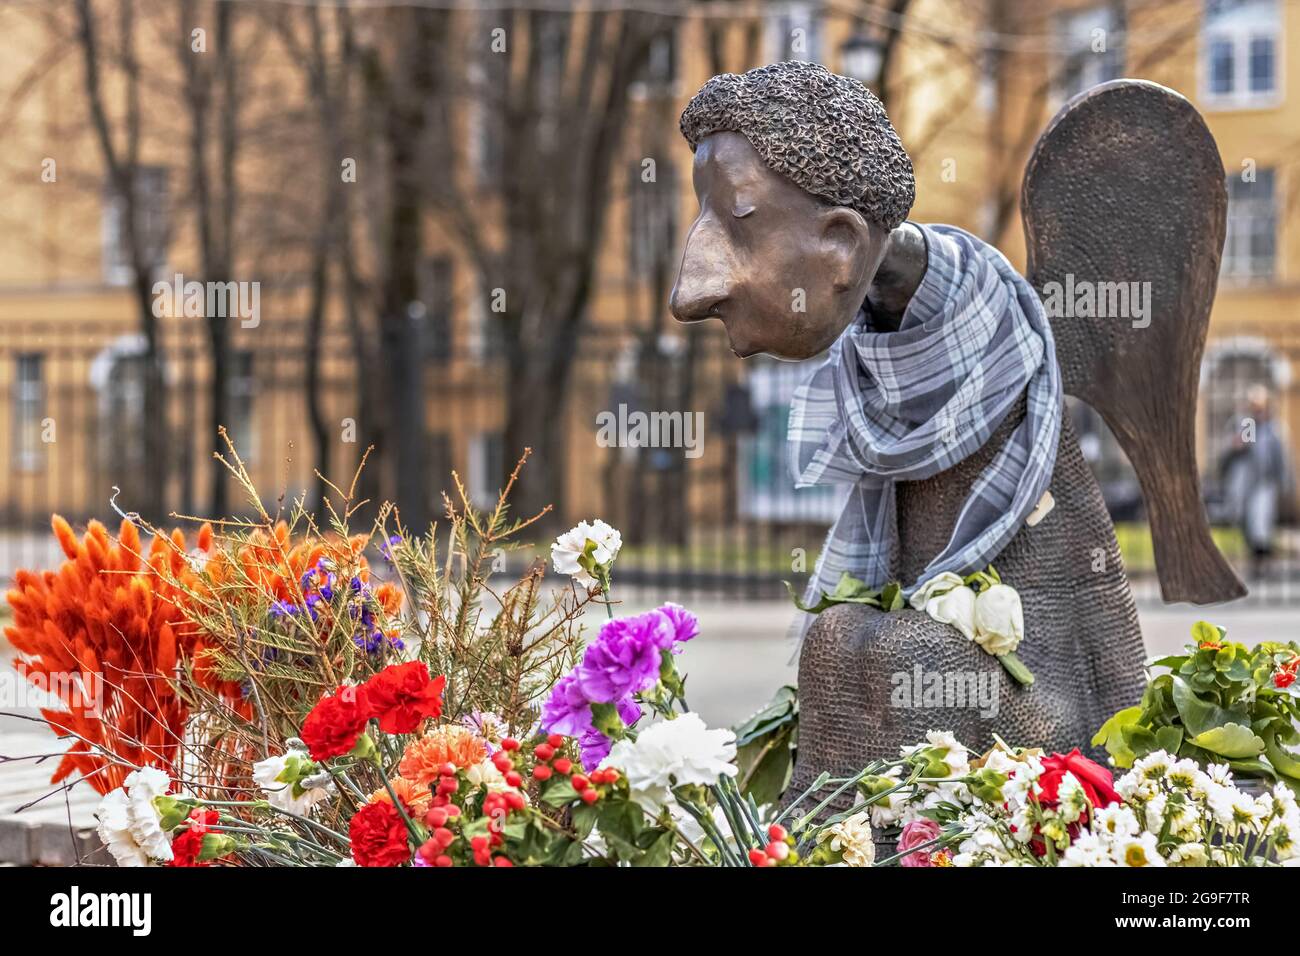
[[955, 607], [999, 619], [939, 584]]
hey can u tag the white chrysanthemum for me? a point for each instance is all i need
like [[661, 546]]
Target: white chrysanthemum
[[570, 547], [1137, 850], [129, 823], [1232, 809], [1219, 773], [1115, 821], [853, 837], [1186, 775], [270, 775], [1087, 849], [1154, 766], [1188, 854], [673, 753], [1072, 802]]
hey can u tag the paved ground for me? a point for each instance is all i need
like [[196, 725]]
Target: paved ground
[[741, 657]]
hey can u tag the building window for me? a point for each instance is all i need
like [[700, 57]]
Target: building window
[[794, 33], [151, 223], [239, 404], [1250, 247], [29, 411], [1239, 53], [1091, 47], [436, 299], [487, 468]]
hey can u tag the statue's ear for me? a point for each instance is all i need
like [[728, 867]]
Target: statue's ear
[[853, 247]]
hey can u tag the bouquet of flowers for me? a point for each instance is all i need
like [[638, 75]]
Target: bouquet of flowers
[[287, 694]]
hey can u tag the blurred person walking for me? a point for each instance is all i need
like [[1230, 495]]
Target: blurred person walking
[[1258, 477]]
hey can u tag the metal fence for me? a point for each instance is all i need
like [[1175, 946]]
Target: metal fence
[[674, 442]]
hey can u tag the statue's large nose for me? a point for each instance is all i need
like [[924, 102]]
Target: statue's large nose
[[704, 280]]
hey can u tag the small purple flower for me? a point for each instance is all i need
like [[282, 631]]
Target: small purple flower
[[625, 657], [283, 609], [567, 710]]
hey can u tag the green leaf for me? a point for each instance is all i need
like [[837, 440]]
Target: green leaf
[[1016, 668], [1204, 631], [559, 792], [765, 767], [782, 709], [1169, 739], [584, 820], [1197, 714], [1112, 737], [1176, 660], [659, 852], [849, 590], [1139, 739], [1230, 740]]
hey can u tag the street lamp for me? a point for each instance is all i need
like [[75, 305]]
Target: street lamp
[[861, 57]]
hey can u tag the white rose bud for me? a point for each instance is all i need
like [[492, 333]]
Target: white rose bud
[[999, 619], [937, 585], [955, 607]]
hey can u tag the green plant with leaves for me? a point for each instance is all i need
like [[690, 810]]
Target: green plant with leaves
[[1220, 702]]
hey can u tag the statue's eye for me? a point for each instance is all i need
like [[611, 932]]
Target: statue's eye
[[742, 209]]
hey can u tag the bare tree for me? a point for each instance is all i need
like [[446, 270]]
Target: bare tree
[[118, 134]]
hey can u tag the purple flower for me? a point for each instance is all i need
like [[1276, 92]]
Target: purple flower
[[567, 711], [685, 624], [625, 657], [595, 746]]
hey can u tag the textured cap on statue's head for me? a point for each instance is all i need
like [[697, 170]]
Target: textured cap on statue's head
[[801, 180], [826, 133]]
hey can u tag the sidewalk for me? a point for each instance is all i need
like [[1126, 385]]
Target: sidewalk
[[741, 657]]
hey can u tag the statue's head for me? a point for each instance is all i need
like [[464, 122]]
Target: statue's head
[[800, 178]]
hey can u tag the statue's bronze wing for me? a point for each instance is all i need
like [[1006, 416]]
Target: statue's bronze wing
[[1126, 186]]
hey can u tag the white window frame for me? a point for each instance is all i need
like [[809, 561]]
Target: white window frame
[[1240, 28], [29, 412], [1246, 213], [1074, 29], [783, 20]]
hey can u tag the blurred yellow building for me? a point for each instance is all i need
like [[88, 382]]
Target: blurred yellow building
[[968, 84]]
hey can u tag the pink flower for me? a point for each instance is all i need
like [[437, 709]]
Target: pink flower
[[918, 833]]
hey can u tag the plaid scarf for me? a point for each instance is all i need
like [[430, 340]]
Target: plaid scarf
[[902, 406]]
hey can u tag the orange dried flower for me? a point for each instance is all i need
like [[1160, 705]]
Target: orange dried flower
[[447, 744], [98, 633]]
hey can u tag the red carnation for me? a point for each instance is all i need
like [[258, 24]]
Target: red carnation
[[187, 847], [402, 696], [334, 724], [378, 836]]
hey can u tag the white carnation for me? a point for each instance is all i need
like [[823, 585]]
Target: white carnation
[[568, 551], [673, 753]]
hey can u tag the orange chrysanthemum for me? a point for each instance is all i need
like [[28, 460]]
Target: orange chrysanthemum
[[416, 797], [447, 744]]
